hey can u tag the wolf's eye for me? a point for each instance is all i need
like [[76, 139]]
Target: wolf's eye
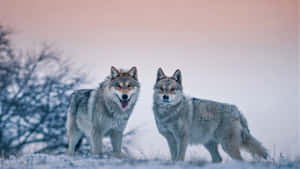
[[172, 89], [161, 89], [119, 86], [129, 86]]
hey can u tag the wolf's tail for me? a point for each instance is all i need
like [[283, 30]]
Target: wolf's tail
[[250, 143]]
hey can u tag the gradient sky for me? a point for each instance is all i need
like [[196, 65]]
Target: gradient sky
[[237, 51]]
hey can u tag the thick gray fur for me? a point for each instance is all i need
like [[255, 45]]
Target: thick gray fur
[[97, 113], [185, 120]]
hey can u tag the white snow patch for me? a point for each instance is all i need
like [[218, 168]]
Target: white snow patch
[[44, 161]]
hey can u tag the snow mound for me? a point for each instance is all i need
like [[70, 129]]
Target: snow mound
[[44, 161]]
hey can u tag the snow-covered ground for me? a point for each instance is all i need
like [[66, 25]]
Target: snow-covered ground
[[138, 159], [44, 161]]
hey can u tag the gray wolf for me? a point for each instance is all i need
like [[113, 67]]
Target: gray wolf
[[103, 111], [184, 120]]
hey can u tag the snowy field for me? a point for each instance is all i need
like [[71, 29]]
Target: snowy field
[[43, 161]]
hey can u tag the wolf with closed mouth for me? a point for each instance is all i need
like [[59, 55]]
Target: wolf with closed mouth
[[104, 111], [184, 120]]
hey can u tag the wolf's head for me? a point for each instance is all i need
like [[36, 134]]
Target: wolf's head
[[168, 90], [124, 87]]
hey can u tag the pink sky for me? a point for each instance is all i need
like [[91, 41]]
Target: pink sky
[[141, 20], [237, 51]]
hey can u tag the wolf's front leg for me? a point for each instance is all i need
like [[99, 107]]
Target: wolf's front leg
[[182, 145], [96, 140], [172, 144], [116, 142]]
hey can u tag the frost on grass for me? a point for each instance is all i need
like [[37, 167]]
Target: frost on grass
[[44, 161], [134, 160]]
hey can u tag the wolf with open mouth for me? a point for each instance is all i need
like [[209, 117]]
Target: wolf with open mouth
[[104, 111]]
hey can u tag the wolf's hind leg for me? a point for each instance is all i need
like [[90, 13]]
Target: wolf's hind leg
[[212, 147], [232, 139], [74, 136], [96, 141], [232, 149]]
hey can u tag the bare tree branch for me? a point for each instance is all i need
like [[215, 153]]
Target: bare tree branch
[[34, 95]]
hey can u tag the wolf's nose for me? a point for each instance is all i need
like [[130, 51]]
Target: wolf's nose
[[124, 96], [165, 97]]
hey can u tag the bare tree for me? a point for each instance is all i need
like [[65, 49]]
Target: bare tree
[[34, 96]]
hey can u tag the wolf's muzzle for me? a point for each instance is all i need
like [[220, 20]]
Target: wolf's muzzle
[[165, 98], [124, 101], [124, 96]]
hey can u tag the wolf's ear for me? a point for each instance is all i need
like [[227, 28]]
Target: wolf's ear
[[133, 72], [160, 74], [177, 76], [114, 72]]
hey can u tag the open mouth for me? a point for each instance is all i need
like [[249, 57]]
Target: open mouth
[[124, 103]]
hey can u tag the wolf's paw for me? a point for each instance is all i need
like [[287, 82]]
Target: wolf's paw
[[119, 155], [70, 153], [98, 155]]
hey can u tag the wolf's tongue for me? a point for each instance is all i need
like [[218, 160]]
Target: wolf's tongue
[[124, 103]]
